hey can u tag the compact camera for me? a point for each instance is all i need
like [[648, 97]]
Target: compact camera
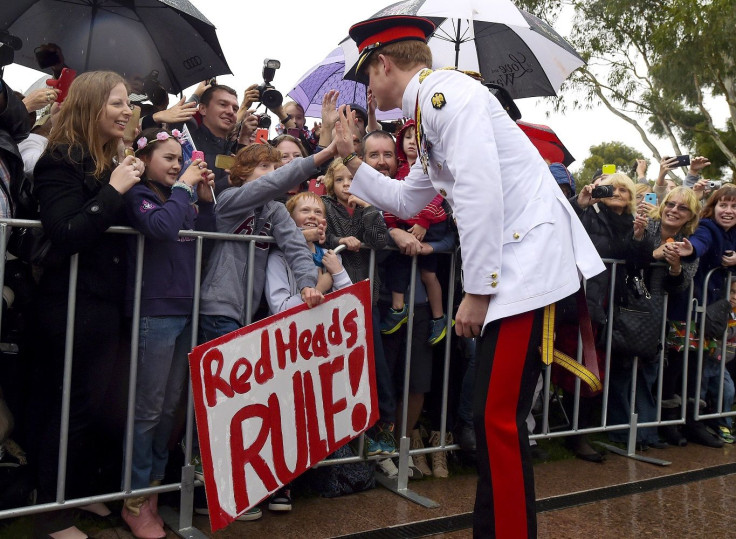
[[267, 94], [715, 184], [264, 120], [602, 191]]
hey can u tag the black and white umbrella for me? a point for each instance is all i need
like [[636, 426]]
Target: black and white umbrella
[[505, 44], [130, 37]]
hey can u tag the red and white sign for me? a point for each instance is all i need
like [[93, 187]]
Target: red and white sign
[[274, 398]]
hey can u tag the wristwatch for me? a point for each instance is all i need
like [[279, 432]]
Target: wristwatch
[[286, 119]]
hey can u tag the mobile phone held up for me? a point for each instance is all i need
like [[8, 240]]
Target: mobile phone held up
[[608, 169], [62, 83], [650, 198], [682, 161]]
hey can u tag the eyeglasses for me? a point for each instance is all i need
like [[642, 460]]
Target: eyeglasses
[[680, 207]]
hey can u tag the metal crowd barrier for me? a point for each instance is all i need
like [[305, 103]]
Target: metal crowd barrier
[[182, 522]]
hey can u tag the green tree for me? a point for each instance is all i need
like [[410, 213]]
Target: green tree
[[606, 153], [655, 60]]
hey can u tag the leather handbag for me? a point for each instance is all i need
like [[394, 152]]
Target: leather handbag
[[637, 322]]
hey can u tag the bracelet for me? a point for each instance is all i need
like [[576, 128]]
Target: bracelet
[[286, 119], [182, 185], [674, 274], [349, 158]]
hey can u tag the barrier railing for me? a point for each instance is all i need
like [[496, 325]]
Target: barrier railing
[[400, 485]]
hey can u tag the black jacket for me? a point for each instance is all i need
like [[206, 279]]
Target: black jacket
[[613, 243], [76, 209], [15, 125]]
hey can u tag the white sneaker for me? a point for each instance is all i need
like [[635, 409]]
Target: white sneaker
[[414, 472], [388, 468]]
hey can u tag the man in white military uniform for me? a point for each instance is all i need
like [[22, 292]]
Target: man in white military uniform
[[522, 246]]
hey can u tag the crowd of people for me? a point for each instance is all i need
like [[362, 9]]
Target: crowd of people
[[89, 171]]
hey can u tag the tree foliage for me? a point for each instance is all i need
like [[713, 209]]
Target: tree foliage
[[667, 62], [607, 153]]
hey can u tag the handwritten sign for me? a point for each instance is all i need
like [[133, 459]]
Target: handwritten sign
[[274, 398]]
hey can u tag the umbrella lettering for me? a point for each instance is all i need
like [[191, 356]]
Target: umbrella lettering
[[516, 68], [192, 62]]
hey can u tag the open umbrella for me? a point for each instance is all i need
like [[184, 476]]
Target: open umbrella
[[326, 76], [131, 37], [547, 142], [507, 45]]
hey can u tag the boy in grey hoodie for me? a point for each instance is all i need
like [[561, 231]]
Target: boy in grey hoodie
[[248, 208]]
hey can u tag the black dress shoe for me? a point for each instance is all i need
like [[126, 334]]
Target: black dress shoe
[[595, 456]]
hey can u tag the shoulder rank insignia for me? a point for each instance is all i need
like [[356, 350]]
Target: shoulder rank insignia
[[438, 100]]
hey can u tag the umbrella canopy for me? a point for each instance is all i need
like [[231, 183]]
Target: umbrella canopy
[[507, 45], [547, 142], [326, 76], [131, 37]]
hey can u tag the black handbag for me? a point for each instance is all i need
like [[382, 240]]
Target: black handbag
[[637, 322]]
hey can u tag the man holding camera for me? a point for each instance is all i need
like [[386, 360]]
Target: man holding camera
[[523, 247]]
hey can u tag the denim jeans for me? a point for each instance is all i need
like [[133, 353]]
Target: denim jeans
[[384, 380], [213, 326], [710, 385], [164, 342], [619, 409]]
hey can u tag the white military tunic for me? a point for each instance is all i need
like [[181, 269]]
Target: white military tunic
[[521, 241]]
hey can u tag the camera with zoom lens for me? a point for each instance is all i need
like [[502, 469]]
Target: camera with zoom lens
[[264, 121], [267, 94], [602, 191], [715, 184]]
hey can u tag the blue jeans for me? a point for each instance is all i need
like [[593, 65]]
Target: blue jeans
[[164, 344], [710, 384], [384, 381], [213, 326], [619, 409]]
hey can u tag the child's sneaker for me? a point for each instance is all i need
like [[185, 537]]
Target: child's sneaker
[[388, 468], [724, 433], [280, 500], [372, 447], [254, 513], [394, 320], [386, 438], [198, 471], [438, 329]]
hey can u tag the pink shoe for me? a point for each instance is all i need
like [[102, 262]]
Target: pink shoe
[[153, 502], [145, 525]]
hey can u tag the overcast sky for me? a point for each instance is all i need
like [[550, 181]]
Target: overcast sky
[[300, 34]]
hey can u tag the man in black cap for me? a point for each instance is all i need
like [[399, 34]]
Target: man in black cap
[[523, 247]]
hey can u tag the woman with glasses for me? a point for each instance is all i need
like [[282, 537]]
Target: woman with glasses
[[674, 219]]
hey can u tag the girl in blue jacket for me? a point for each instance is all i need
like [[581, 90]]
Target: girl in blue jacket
[[714, 243], [159, 206]]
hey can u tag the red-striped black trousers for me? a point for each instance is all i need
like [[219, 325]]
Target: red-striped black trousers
[[507, 368]]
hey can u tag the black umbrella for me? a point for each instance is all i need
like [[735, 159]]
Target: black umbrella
[[131, 37], [506, 45]]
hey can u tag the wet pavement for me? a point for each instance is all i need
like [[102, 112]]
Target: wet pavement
[[693, 497], [698, 507]]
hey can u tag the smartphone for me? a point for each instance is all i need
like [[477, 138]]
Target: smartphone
[[650, 198], [129, 133], [196, 154], [682, 161], [294, 132], [224, 161], [62, 83], [609, 169], [261, 136]]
